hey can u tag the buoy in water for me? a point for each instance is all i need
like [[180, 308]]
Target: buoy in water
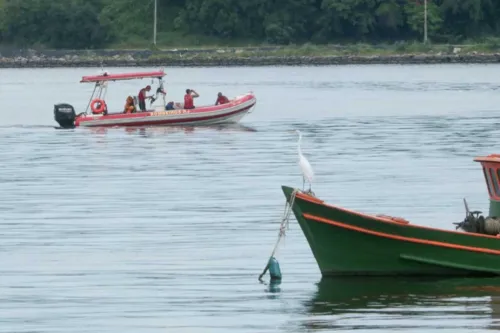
[[274, 269]]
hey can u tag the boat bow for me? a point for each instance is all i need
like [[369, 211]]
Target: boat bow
[[346, 242]]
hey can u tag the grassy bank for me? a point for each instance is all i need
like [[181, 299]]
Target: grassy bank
[[172, 40], [261, 55], [359, 49], [177, 40]]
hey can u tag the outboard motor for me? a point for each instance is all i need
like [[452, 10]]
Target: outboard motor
[[65, 115]]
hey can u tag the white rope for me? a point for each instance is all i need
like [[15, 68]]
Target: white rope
[[285, 221], [284, 225]]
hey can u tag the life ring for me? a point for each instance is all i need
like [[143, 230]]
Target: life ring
[[100, 109]]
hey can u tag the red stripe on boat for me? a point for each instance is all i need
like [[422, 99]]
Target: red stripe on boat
[[144, 122]]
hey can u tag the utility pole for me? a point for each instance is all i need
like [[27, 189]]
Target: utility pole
[[425, 21], [154, 28]]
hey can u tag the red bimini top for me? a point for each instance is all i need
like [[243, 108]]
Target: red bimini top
[[123, 76]]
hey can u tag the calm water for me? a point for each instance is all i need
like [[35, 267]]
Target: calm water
[[167, 230]]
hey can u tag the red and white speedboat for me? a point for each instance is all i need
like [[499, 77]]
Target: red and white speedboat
[[66, 117]]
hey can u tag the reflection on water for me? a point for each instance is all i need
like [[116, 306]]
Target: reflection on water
[[273, 289], [404, 303], [158, 130]]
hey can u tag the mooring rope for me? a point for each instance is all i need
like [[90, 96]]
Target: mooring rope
[[284, 225]]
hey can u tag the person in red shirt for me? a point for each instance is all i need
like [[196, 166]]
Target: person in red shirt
[[221, 99], [188, 98], [142, 97]]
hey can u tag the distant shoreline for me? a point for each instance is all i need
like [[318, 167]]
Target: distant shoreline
[[229, 57]]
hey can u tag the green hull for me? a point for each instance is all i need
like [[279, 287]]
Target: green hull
[[345, 242]]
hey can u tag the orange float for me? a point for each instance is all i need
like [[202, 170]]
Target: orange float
[[97, 106]]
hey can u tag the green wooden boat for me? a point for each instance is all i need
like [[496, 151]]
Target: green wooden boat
[[346, 242]]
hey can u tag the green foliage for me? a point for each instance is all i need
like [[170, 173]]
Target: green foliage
[[389, 16], [468, 17], [57, 24], [129, 23], [127, 18], [351, 18], [415, 18]]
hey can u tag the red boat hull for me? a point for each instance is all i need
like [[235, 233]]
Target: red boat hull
[[231, 112]]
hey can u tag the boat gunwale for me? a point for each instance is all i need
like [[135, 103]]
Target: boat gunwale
[[240, 104], [314, 200], [237, 103], [398, 237], [147, 122]]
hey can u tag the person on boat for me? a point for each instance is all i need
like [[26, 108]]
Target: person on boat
[[129, 105], [142, 97], [221, 99], [169, 106], [188, 98]]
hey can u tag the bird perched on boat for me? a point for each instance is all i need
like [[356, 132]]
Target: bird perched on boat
[[305, 166]]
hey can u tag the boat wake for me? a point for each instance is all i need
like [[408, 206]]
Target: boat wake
[[27, 126]]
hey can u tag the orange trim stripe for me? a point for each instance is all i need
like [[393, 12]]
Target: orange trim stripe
[[400, 238], [308, 198]]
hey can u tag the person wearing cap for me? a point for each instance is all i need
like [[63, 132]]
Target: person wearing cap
[[142, 97], [221, 99]]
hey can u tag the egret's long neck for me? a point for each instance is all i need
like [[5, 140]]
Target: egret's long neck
[[298, 148]]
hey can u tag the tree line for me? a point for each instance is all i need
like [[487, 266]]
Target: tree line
[[81, 24]]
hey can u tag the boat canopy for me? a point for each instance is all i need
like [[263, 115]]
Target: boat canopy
[[493, 158], [491, 170], [123, 76]]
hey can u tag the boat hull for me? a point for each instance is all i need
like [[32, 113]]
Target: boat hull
[[345, 242], [231, 112]]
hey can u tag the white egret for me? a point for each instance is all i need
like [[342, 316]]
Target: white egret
[[305, 166]]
